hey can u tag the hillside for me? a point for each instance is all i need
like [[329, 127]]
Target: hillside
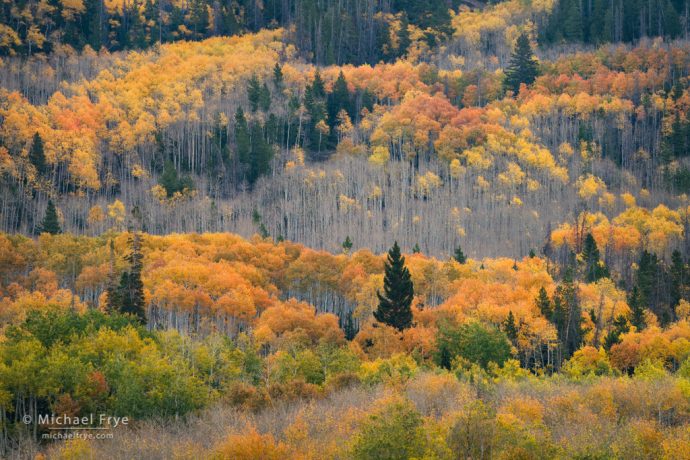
[[356, 229]]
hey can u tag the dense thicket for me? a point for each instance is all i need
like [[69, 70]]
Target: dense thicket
[[599, 21], [327, 32]]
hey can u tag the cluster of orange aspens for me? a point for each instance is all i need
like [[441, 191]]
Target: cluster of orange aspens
[[285, 293]]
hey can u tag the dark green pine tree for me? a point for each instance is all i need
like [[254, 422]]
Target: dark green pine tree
[[337, 100], [254, 93], [242, 139], [559, 314], [523, 67], [37, 155], [347, 244], [261, 154], [349, 327], [416, 249], [278, 79], [265, 98], [220, 143], [395, 303], [649, 281], [315, 103], [572, 20], [510, 327], [459, 256], [673, 143], [568, 316], [636, 305], [544, 304], [594, 269], [50, 223], [679, 279], [131, 295], [404, 40], [169, 180], [620, 327], [112, 287]]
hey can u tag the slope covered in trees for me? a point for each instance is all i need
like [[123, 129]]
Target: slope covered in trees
[[326, 32], [403, 141], [255, 324], [197, 199]]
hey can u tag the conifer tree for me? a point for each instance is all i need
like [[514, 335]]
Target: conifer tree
[[567, 316], [37, 155], [242, 139], [459, 256], [50, 223], [510, 328], [544, 303], [349, 327], [261, 154], [620, 327], [112, 287], [594, 269], [278, 79], [254, 93], [572, 20], [398, 292], [131, 295], [404, 40], [636, 305], [169, 180], [679, 279], [265, 98], [317, 108], [347, 244], [649, 281], [339, 99], [523, 67]]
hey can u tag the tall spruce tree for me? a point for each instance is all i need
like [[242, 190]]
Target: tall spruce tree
[[636, 305], [679, 279], [278, 79], [131, 290], [254, 92], [510, 327], [242, 139], [398, 292], [459, 256], [51, 223], [112, 287], [523, 67], [37, 155], [544, 304], [651, 281], [347, 244], [594, 268], [260, 154]]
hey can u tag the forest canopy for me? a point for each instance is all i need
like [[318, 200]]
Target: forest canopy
[[355, 229]]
